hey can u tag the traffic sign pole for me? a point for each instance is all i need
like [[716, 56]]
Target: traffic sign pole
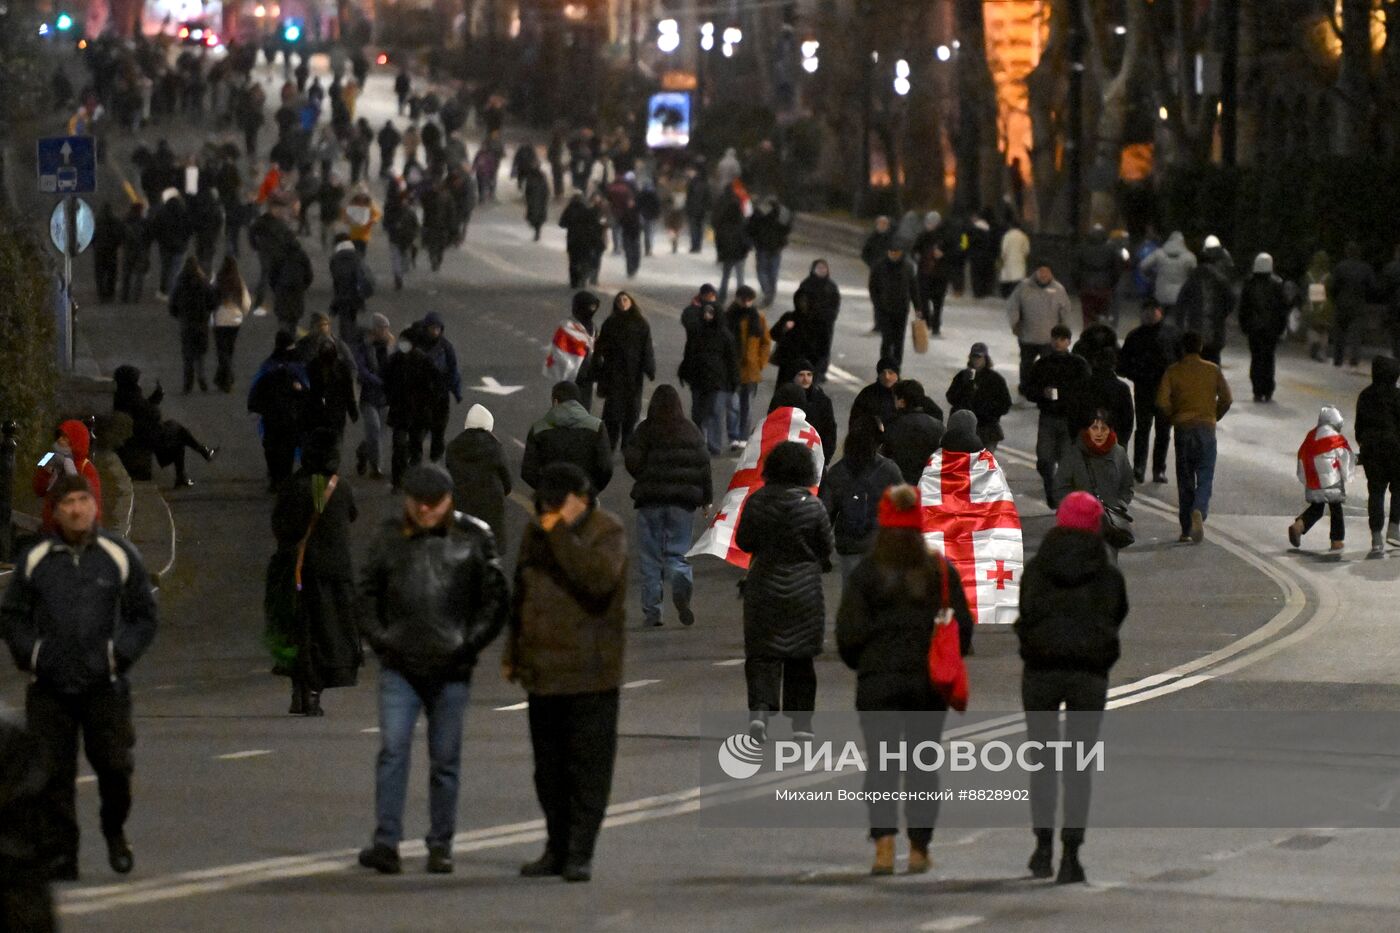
[[71, 247]]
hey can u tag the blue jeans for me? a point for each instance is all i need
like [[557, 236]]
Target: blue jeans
[[663, 537], [766, 264], [399, 704], [1195, 472], [740, 417], [372, 417], [709, 410], [731, 268]]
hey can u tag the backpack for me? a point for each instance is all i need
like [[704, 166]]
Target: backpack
[[855, 518]]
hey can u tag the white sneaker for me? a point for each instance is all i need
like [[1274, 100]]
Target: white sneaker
[[738, 445], [260, 311]]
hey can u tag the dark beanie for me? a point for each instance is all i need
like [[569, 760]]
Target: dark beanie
[[66, 484], [427, 483]]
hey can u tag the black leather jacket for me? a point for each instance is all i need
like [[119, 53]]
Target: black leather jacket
[[431, 601]]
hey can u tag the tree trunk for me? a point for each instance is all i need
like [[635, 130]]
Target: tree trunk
[[975, 143], [1045, 87], [1113, 115], [923, 142], [1353, 85]]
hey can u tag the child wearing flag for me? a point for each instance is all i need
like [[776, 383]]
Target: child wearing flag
[[1325, 466]]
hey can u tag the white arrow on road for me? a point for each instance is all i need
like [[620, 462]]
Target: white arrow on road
[[490, 386], [67, 151]]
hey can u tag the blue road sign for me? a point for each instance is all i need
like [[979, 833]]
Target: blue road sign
[[67, 165]]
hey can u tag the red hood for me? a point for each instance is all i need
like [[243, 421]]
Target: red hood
[[77, 434]]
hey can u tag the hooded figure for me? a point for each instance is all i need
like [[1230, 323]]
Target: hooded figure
[[824, 302], [570, 357], [1325, 466], [480, 477], [623, 358], [1263, 318], [1169, 266], [1378, 436], [962, 435], [69, 456], [980, 390]]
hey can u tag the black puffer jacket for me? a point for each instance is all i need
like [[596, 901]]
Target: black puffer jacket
[[883, 633], [711, 360], [1073, 602], [786, 530], [985, 395], [911, 440], [670, 463], [1378, 420], [851, 493], [480, 478], [431, 601]]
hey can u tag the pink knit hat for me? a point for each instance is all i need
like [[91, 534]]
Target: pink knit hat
[[1081, 512]]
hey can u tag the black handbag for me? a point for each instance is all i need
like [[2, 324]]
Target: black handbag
[[1117, 524]]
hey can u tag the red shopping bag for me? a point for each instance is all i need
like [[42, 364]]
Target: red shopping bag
[[946, 669]]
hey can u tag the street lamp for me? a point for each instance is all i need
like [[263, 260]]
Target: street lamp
[[707, 36], [670, 38], [809, 56], [943, 53]]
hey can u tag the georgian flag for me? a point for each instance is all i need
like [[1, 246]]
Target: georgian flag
[[969, 515], [567, 351], [782, 424]]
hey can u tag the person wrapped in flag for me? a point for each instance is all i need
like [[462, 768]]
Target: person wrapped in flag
[[571, 349], [1325, 466], [970, 516]]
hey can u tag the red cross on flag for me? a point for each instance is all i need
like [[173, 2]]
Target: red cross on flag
[[567, 351], [782, 424], [970, 516]]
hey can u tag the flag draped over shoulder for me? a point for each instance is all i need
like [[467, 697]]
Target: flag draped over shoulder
[[782, 424], [567, 351], [969, 515]]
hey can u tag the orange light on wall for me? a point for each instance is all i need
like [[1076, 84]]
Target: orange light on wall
[[1017, 31], [1135, 162]]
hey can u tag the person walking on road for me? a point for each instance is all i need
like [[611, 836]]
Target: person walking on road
[[981, 390], [697, 204], [668, 458], [914, 434], [444, 356], [565, 649], [1098, 464], [851, 491], [1037, 305], [894, 290], [930, 251], [432, 596], [1378, 436], [311, 581], [824, 301], [352, 284], [277, 395], [877, 398], [1015, 250], [193, 301], [1167, 268], [1194, 396], [710, 368], [480, 477], [1096, 269], [732, 242], [1148, 350], [234, 304], [768, 230], [893, 599], [786, 530], [623, 356], [290, 277], [872, 253], [415, 389], [77, 614], [1353, 283], [816, 404], [170, 230], [1325, 467], [584, 241], [1055, 381], [1264, 319], [799, 334], [1073, 602], [371, 350], [536, 197], [750, 331], [569, 434]]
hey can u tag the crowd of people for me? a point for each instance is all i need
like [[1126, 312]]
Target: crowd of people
[[431, 595]]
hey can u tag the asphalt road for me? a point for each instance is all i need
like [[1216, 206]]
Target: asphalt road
[[247, 818]]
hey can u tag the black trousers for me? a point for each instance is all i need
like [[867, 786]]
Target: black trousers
[[408, 451], [1042, 693], [574, 737], [1030, 352], [620, 415], [891, 728], [1262, 351], [225, 338], [580, 266], [103, 717], [1148, 418], [1313, 512], [106, 269], [280, 453], [1377, 482], [932, 293], [437, 434], [787, 685], [891, 339]]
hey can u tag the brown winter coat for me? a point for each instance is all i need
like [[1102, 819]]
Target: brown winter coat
[[566, 628], [753, 351]]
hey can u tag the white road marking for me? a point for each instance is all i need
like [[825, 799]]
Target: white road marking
[[88, 779], [372, 730], [732, 662], [249, 753], [639, 683], [953, 922], [518, 442], [513, 707]]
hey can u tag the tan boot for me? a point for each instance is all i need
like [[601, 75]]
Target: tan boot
[[884, 856], [1295, 534], [919, 862]]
